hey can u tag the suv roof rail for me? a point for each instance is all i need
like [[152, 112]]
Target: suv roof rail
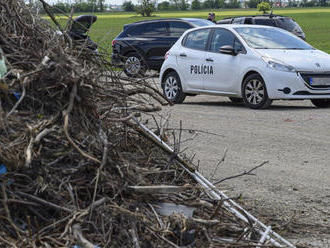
[[271, 15], [161, 19]]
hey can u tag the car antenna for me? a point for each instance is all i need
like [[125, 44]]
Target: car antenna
[[271, 14]]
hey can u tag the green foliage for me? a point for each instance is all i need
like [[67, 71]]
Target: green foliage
[[196, 4], [183, 5], [128, 6], [164, 6], [146, 8], [264, 7], [233, 4], [253, 3], [213, 4]]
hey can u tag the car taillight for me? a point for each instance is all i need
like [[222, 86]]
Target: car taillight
[[114, 42], [166, 55]]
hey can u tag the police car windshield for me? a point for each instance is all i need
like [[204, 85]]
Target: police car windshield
[[269, 38], [200, 23]]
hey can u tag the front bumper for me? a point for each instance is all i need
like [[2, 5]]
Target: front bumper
[[290, 85]]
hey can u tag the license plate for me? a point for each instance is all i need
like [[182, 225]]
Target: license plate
[[319, 81]]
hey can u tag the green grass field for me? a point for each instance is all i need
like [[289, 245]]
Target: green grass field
[[314, 21]]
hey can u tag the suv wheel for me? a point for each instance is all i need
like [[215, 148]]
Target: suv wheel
[[254, 92], [134, 65], [321, 103], [172, 88]]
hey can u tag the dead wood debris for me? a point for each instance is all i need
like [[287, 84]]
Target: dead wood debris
[[79, 172]]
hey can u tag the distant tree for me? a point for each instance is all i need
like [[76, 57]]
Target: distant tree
[[196, 4], [233, 4], [293, 4], [101, 5], [208, 4], [146, 8], [220, 4], [164, 6], [264, 7], [176, 4], [253, 3], [61, 7], [183, 5], [128, 6]]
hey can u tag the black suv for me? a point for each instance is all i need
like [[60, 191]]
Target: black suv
[[143, 45], [283, 22]]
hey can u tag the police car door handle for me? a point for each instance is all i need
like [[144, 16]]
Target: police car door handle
[[183, 55], [209, 60]]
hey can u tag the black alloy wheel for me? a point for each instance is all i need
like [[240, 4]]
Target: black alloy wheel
[[134, 65]]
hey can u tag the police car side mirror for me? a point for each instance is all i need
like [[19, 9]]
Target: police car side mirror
[[228, 50]]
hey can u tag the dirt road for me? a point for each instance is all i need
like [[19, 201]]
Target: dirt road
[[292, 191]]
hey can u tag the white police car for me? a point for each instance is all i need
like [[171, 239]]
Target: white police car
[[255, 63]]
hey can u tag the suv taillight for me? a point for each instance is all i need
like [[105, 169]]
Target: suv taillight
[[166, 55], [114, 42]]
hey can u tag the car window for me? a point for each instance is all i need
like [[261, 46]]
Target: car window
[[153, 28], [178, 28], [197, 39], [266, 22], [200, 22], [239, 20], [271, 38], [221, 37], [288, 24]]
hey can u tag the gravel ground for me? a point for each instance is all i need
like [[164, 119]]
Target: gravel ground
[[292, 191]]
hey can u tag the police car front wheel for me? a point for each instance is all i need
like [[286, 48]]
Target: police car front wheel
[[172, 88], [254, 92]]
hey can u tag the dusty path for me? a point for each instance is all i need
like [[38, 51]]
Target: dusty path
[[293, 189]]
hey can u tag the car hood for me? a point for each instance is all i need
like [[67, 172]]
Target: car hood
[[302, 60]]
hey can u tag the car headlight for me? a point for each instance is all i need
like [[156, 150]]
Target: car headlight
[[278, 65]]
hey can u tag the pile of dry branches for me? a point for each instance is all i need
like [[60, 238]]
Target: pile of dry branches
[[80, 172]]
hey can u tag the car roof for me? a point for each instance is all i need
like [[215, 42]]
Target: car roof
[[161, 19], [165, 19], [258, 16], [233, 26]]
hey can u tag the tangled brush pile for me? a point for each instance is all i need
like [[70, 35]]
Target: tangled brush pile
[[76, 161]]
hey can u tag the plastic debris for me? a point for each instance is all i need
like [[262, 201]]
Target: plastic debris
[[3, 169], [3, 67]]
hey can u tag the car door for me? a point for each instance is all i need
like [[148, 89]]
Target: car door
[[176, 29], [191, 58], [225, 67], [157, 41]]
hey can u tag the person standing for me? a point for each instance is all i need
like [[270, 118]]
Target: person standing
[[211, 17]]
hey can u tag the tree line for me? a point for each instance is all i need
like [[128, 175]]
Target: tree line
[[146, 7]]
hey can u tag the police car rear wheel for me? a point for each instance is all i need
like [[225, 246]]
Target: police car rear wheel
[[254, 92], [134, 65], [321, 103], [172, 88]]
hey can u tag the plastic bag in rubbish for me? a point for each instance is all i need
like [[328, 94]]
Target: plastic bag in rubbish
[[3, 67]]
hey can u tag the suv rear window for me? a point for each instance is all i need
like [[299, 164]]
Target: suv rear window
[[288, 24], [178, 28], [266, 22], [153, 28]]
